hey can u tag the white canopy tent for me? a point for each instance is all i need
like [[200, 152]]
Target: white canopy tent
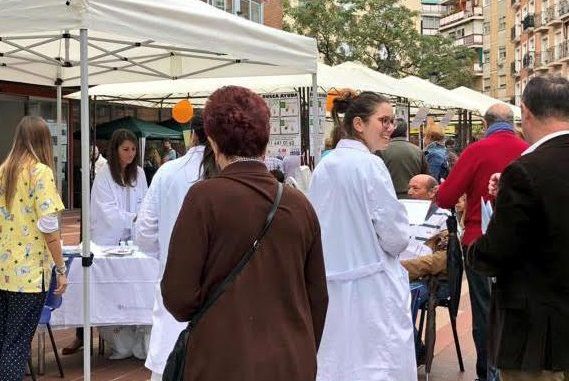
[[167, 93], [432, 94], [67, 43], [481, 101]]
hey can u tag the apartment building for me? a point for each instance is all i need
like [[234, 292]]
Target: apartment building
[[464, 23], [498, 50], [432, 11], [540, 38]]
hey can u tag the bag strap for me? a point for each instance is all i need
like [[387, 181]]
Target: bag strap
[[211, 299]]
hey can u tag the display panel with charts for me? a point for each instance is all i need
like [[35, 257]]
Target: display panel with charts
[[285, 124]]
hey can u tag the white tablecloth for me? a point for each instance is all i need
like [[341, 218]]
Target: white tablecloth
[[122, 291]]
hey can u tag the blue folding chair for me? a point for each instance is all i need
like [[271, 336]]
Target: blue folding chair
[[52, 302]]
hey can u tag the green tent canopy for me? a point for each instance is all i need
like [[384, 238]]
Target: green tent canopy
[[173, 125], [139, 127]]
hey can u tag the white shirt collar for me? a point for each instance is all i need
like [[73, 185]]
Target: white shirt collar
[[353, 144], [546, 138]]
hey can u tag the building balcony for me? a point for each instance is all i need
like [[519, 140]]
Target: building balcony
[[433, 10], [458, 18], [528, 23], [516, 4], [557, 54], [553, 15], [541, 22], [528, 61], [542, 60], [478, 69], [564, 51], [516, 33], [472, 40], [515, 68]]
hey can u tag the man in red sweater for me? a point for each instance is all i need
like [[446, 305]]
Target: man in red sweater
[[470, 176]]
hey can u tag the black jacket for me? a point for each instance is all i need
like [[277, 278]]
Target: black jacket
[[527, 248]]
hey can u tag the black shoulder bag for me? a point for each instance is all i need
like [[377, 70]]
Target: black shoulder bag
[[176, 362]]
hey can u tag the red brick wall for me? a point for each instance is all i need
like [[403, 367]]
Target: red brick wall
[[274, 13]]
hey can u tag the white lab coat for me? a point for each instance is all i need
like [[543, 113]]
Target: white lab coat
[[154, 226], [368, 335], [113, 207]]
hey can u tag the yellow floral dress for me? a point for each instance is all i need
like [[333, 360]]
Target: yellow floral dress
[[25, 261]]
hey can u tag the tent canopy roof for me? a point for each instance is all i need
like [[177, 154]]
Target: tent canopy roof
[[141, 40], [140, 128], [169, 92], [432, 94], [482, 101]]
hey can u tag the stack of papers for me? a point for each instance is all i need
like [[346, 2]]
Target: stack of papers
[[486, 212], [416, 210]]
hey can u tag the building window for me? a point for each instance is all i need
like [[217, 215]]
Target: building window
[[219, 4], [502, 24], [486, 56], [460, 33], [249, 9], [502, 81], [487, 28], [502, 54], [431, 22]]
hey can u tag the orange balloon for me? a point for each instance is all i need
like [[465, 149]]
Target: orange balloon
[[332, 94], [183, 111], [335, 93]]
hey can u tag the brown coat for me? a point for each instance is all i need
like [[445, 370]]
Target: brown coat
[[268, 324], [432, 264]]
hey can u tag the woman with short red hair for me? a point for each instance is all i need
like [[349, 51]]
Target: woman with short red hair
[[268, 322]]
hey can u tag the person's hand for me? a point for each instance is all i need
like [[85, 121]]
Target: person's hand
[[61, 284], [494, 184]]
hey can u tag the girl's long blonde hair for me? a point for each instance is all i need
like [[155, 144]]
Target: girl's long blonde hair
[[32, 144]]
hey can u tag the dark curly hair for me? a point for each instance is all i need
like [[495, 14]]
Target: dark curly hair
[[237, 120]]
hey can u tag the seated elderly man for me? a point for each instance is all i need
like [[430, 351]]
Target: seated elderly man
[[421, 258], [426, 253]]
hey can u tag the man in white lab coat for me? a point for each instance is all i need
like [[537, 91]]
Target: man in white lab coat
[[154, 226]]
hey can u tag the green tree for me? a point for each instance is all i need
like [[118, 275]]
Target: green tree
[[381, 34]]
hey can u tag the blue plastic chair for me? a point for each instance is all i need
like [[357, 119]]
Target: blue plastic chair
[[52, 302]]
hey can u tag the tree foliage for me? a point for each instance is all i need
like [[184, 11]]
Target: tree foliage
[[381, 34]]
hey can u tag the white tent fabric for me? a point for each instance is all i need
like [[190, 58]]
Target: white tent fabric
[[139, 40], [167, 93], [392, 85], [432, 94], [481, 101]]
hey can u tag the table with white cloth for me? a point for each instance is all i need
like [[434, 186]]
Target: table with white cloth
[[121, 291]]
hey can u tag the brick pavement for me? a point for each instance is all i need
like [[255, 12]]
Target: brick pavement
[[445, 364]]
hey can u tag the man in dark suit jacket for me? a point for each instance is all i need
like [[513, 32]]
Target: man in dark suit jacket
[[526, 246], [403, 159]]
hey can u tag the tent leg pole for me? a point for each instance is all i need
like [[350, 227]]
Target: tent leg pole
[[85, 200], [315, 156]]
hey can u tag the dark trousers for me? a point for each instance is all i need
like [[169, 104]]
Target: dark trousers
[[479, 291], [19, 316]]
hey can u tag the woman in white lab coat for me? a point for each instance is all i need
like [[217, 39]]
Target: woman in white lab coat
[[116, 196], [118, 190], [368, 335], [154, 225]]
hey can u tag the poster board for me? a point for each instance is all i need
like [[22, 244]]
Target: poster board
[[285, 133]]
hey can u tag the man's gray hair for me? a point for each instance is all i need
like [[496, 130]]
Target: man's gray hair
[[499, 113], [432, 183]]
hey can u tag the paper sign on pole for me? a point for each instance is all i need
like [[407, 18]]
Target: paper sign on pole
[[420, 117], [446, 119]]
